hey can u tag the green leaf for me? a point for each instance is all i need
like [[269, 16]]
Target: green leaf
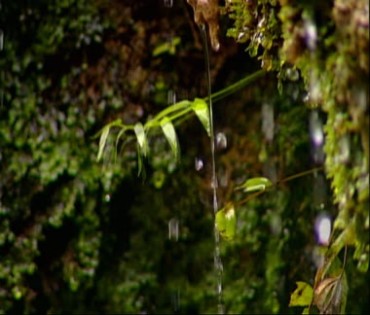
[[170, 134], [167, 47], [200, 107], [141, 139], [302, 296], [225, 222], [120, 134], [103, 141], [255, 184]]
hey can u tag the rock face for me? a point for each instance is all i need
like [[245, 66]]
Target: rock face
[[207, 12]]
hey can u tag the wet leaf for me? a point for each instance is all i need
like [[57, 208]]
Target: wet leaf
[[170, 134], [255, 184], [302, 296], [200, 107], [141, 139], [103, 141], [225, 222]]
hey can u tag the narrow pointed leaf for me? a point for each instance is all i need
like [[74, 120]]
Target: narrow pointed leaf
[[170, 134], [103, 141], [200, 107], [255, 184], [120, 134], [141, 139], [225, 222], [302, 296]]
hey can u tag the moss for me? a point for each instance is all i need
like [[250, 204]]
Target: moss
[[328, 42]]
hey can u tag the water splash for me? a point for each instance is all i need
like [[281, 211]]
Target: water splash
[[214, 183]]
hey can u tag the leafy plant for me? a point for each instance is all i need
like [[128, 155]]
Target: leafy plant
[[166, 121]]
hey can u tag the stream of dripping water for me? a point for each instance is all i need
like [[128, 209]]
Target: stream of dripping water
[[214, 183]]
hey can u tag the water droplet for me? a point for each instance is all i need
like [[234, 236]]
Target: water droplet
[[241, 35], [171, 97], [221, 308], [214, 184], [292, 74], [268, 121], [224, 177], [317, 137], [218, 263], [199, 164], [219, 287], [173, 229], [107, 198], [316, 129], [221, 141], [344, 149], [176, 300], [168, 3], [314, 93], [323, 229], [1, 39], [310, 34]]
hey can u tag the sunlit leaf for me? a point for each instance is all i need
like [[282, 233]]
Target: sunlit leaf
[[225, 222], [255, 184], [200, 107], [302, 296], [170, 134], [306, 310], [141, 139], [103, 141]]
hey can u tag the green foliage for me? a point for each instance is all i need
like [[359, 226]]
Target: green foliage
[[255, 184], [167, 47], [72, 229], [225, 222], [302, 295]]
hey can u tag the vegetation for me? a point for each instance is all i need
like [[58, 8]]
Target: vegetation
[[104, 111]]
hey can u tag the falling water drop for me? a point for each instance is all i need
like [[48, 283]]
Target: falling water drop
[[292, 74], [168, 3], [316, 129], [221, 141], [176, 301], [199, 164], [317, 137], [171, 97], [173, 229], [344, 149], [268, 121], [323, 229], [1, 39], [107, 198]]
